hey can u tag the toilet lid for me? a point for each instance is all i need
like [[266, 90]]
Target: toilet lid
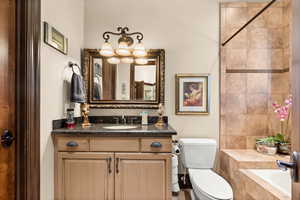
[[210, 183]]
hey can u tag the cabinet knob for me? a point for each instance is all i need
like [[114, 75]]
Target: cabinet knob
[[156, 145], [72, 144]]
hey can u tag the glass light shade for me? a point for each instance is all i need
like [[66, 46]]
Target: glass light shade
[[127, 60], [113, 60], [123, 49], [139, 50], [141, 61], [107, 50]]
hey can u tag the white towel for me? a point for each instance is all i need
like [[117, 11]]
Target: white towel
[[174, 160]]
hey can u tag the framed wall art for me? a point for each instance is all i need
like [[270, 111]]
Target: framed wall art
[[55, 39], [192, 94]]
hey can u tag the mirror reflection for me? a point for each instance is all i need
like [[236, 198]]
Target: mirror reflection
[[124, 82]]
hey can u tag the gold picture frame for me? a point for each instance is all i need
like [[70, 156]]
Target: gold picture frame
[[88, 67], [192, 94], [55, 39]]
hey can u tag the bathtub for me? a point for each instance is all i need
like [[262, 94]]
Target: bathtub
[[264, 184], [279, 179]]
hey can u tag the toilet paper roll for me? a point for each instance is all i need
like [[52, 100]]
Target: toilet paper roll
[[175, 149]]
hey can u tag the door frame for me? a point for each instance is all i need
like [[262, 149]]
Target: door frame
[[296, 86], [28, 33]]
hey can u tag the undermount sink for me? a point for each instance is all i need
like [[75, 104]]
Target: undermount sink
[[119, 127]]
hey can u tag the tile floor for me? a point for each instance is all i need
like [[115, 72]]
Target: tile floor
[[183, 195]]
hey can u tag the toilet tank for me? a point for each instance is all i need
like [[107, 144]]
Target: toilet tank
[[198, 153]]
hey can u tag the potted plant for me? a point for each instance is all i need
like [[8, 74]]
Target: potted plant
[[283, 114], [267, 145], [284, 146]]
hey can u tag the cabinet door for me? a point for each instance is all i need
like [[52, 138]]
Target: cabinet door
[[142, 176], [85, 176]]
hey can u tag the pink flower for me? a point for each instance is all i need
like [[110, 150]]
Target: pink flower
[[283, 110]]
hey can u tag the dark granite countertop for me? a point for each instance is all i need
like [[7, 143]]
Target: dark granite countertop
[[99, 130]]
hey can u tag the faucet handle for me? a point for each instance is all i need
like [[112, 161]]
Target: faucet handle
[[293, 165], [284, 166]]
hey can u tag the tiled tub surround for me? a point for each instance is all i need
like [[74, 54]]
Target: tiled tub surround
[[267, 184], [231, 161], [254, 71]]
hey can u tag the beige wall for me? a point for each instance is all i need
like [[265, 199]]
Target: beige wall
[[188, 31], [67, 17]]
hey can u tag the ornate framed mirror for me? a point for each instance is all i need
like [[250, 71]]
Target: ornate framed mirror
[[124, 85]]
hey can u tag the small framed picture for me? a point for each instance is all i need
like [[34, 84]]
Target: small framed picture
[[55, 39], [192, 94]]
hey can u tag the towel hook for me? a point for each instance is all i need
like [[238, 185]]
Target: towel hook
[[71, 64]]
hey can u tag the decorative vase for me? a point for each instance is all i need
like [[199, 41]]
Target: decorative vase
[[266, 149], [284, 148], [271, 150]]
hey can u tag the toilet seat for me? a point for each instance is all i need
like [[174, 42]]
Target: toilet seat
[[208, 183]]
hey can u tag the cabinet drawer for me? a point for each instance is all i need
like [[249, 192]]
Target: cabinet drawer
[[156, 145], [73, 144], [115, 144]]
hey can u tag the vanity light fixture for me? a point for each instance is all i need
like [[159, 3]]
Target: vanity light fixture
[[125, 52]]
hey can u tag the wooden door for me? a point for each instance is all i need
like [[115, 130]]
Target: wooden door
[[7, 96], [296, 89], [85, 176], [142, 176], [139, 90], [109, 80]]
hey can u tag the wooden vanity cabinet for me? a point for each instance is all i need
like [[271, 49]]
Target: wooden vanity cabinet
[[142, 176], [85, 176], [92, 172]]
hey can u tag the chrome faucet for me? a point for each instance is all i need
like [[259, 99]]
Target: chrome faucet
[[123, 119], [284, 166], [293, 166]]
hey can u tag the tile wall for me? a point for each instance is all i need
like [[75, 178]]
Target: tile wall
[[254, 71]]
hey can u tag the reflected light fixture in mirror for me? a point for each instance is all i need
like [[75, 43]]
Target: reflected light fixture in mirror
[[124, 52], [113, 60], [141, 61], [127, 60]]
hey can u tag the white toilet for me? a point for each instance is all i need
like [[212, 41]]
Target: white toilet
[[198, 156]]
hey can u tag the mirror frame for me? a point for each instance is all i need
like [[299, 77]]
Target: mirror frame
[[87, 70]]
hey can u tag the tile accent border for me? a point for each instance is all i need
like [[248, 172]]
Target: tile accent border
[[270, 71]]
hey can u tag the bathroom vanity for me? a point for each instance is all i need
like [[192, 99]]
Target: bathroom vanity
[[113, 162], [109, 161]]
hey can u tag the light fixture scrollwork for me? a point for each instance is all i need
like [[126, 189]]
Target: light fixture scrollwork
[[125, 53]]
